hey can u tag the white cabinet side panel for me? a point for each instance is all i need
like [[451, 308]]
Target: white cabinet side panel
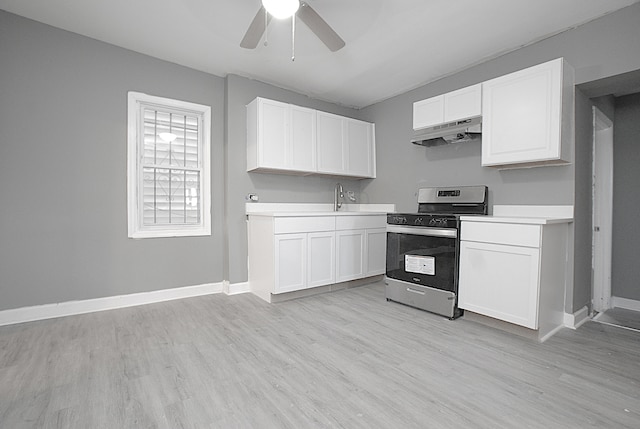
[[553, 277], [261, 256]]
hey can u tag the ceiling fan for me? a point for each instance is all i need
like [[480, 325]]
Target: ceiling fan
[[302, 10]]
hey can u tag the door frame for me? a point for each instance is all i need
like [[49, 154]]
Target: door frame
[[602, 210]]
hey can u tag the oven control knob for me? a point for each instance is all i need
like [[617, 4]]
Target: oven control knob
[[399, 220], [418, 221], [438, 222]]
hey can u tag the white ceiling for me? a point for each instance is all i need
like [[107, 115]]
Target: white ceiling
[[391, 46]]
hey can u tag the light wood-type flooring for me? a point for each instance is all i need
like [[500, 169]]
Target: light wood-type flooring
[[346, 359], [620, 317]]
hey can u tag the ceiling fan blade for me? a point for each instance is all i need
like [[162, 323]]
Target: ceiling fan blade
[[256, 30], [320, 27]]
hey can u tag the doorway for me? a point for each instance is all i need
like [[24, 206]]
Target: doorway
[[602, 195]]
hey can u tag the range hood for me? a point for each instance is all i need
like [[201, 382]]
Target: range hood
[[461, 131]]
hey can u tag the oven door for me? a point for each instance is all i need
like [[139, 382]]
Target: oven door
[[423, 255]]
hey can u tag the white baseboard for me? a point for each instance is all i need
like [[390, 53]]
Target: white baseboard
[[70, 308], [235, 288], [626, 303], [575, 320]]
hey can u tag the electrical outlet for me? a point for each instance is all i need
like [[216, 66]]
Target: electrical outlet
[[252, 197]]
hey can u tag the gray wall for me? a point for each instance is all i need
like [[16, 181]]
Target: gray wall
[[63, 130], [63, 119], [605, 47], [271, 188], [625, 276]]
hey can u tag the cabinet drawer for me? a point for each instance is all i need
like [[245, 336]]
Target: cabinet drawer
[[285, 225], [360, 222], [501, 233]]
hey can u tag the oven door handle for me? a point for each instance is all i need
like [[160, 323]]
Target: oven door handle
[[425, 231]]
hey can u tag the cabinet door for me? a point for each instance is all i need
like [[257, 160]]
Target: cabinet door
[[273, 134], [291, 262], [429, 112], [500, 281], [522, 114], [376, 245], [360, 148], [302, 142], [331, 143], [350, 255], [321, 258], [463, 103]]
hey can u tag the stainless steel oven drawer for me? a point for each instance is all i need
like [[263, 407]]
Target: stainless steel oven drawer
[[423, 297]]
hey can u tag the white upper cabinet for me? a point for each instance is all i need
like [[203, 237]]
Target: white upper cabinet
[[528, 117], [460, 104], [332, 151], [360, 148], [429, 112], [463, 103], [346, 147], [302, 150], [280, 136], [286, 138]]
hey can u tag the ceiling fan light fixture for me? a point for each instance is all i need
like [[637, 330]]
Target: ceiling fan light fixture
[[281, 9]]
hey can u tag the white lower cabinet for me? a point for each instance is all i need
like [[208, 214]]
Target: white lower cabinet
[[321, 266], [290, 253], [291, 262], [500, 281], [350, 254], [514, 272], [361, 243], [361, 253], [304, 260]]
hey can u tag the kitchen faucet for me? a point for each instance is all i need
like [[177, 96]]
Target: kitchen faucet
[[337, 195]]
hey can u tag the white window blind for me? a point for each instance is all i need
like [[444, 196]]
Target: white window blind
[[168, 167]]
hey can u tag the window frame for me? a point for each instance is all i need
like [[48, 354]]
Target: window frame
[[136, 102]]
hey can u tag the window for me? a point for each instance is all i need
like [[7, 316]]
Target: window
[[168, 167]]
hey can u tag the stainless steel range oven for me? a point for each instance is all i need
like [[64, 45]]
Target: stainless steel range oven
[[423, 248]]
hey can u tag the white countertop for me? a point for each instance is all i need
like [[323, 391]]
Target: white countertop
[[319, 213], [314, 209], [517, 219], [536, 215]]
